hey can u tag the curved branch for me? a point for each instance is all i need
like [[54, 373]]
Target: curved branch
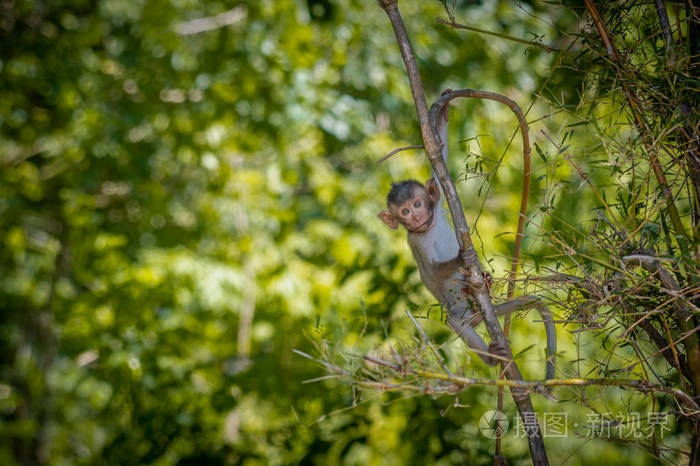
[[433, 114], [397, 150]]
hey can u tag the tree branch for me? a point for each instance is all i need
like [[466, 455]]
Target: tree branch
[[397, 150], [547, 48], [689, 407], [210, 23], [477, 284], [435, 110]]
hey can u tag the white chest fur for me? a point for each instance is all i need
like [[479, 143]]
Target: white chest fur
[[441, 239], [439, 244]]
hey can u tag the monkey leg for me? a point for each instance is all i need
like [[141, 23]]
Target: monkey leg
[[458, 318]]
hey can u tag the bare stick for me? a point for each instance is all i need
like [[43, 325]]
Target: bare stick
[[664, 23], [430, 344], [210, 23], [545, 47], [398, 150]]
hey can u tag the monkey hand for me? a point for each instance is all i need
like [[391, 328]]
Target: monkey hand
[[498, 349], [469, 257], [488, 279]]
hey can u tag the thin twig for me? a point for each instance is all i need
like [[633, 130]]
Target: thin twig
[[210, 23], [547, 48], [439, 358], [399, 150]]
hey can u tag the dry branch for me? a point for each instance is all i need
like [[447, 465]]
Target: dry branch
[[210, 23], [397, 150], [689, 407], [547, 48]]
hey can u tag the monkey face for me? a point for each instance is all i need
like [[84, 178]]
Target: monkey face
[[416, 214]]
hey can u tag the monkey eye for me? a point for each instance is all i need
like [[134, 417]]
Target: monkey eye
[[417, 204], [404, 212]]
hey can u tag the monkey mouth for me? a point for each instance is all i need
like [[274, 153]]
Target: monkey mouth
[[425, 226]]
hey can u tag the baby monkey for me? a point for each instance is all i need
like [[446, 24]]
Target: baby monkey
[[439, 258]]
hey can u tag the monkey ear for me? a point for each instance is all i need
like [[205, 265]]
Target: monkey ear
[[388, 218], [432, 189]]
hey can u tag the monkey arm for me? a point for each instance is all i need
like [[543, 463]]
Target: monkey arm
[[446, 269]]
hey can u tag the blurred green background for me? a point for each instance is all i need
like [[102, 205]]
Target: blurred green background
[[188, 193]]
